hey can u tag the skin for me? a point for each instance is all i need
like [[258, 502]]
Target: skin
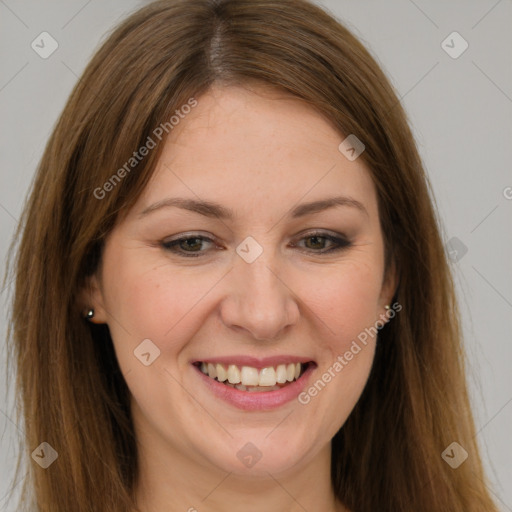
[[259, 152]]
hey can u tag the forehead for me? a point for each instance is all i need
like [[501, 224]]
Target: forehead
[[256, 148]]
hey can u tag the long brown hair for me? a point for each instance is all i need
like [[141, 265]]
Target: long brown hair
[[387, 456]]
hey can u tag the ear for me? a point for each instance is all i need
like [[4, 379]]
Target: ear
[[91, 297], [389, 286]]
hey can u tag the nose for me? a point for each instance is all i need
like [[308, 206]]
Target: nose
[[258, 300]]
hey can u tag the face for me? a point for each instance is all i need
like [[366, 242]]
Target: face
[[268, 284]]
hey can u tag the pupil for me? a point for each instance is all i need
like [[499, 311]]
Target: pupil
[[190, 245], [316, 239]]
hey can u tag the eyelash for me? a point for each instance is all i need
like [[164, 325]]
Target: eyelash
[[171, 246]]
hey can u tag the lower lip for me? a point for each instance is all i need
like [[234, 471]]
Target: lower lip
[[257, 400]]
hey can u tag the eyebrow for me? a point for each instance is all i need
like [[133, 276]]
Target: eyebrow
[[216, 210]]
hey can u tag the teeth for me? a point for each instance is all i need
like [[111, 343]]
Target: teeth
[[233, 374], [212, 372], [263, 388], [222, 374], [280, 374], [290, 372], [267, 377], [249, 376], [251, 379]]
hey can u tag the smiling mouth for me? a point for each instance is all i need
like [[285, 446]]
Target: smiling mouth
[[248, 378]]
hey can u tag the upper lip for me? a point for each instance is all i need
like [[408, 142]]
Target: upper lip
[[255, 362]]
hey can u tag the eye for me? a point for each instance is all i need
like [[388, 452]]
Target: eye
[[316, 242], [189, 246]]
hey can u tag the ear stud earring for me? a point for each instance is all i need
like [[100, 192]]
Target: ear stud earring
[[89, 314], [387, 306]]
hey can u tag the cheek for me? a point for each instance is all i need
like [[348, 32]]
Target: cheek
[[345, 302], [345, 299], [159, 302]]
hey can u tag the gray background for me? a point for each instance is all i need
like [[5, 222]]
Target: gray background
[[461, 113]]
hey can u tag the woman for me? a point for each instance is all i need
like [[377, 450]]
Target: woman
[[238, 293]]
